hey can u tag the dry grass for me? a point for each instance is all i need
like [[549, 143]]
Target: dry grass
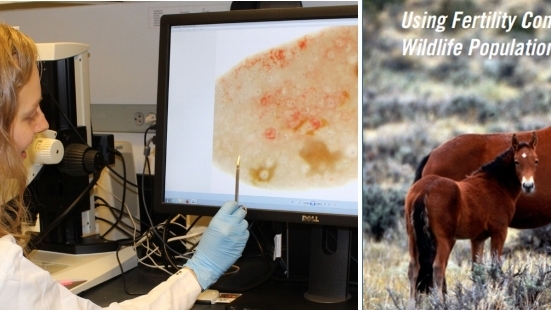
[[385, 273]]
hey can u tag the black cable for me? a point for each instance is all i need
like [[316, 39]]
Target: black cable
[[102, 199], [121, 177], [146, 164], [122, 224], [116, 227], [263, 280], [193, 245], [270, 268], [62, 112], [149, 234], [269, 241], [152, 127], [58, 220], [123, 273], [114, 213], [166, 246], [165, 252], [263, 254], [194, 222], [113, 210], [123, 199]]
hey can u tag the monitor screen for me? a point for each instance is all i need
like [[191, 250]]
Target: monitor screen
[[276, 90]]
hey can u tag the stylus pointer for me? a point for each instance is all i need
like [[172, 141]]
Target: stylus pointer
[[237, 179]]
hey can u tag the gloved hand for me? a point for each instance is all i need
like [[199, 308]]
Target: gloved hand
[[221, 244]]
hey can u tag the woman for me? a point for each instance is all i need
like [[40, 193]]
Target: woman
[[23, 285]]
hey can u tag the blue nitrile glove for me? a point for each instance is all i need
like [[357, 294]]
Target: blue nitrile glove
[[221, 244]]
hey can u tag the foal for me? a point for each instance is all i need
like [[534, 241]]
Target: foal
[[439, 211]]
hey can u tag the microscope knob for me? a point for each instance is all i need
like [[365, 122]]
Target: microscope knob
[[81, 159], [47, 151]]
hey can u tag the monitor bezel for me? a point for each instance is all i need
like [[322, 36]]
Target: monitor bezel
[[167, 21]]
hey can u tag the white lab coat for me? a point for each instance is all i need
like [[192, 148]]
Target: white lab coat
[[23, 285]]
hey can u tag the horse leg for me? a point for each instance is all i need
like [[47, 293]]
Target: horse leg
[[414, 266], [443, 250], [497, 243], [413, 269], [477, 250], [413, 272]]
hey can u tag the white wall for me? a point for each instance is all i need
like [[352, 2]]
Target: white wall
[[123, 42]]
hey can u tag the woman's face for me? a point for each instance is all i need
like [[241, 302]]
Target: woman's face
[[29, 119]]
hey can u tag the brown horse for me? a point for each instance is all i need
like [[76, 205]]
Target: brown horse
[[463, 154], [440, 210]]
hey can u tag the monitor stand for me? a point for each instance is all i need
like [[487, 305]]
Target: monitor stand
[[79, 272], [329, 264]]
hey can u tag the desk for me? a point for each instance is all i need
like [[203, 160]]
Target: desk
[[272, 295]]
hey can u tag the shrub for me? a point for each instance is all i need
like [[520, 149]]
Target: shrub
[[382, 208], [537, 239], [516, 287], [520, 285]]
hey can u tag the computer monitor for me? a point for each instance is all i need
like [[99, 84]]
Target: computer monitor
[[276, 88]]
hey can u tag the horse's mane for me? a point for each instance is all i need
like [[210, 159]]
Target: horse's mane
[[495, 166]]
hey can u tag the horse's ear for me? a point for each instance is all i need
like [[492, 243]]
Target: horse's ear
[[515, 142], [534, 140]]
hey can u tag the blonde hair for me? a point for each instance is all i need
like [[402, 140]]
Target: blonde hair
[[18, 58]]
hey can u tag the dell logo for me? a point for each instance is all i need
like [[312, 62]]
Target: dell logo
[[310, 218]]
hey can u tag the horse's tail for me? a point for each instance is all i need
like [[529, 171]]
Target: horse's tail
[[425, 243], [420, 167]]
